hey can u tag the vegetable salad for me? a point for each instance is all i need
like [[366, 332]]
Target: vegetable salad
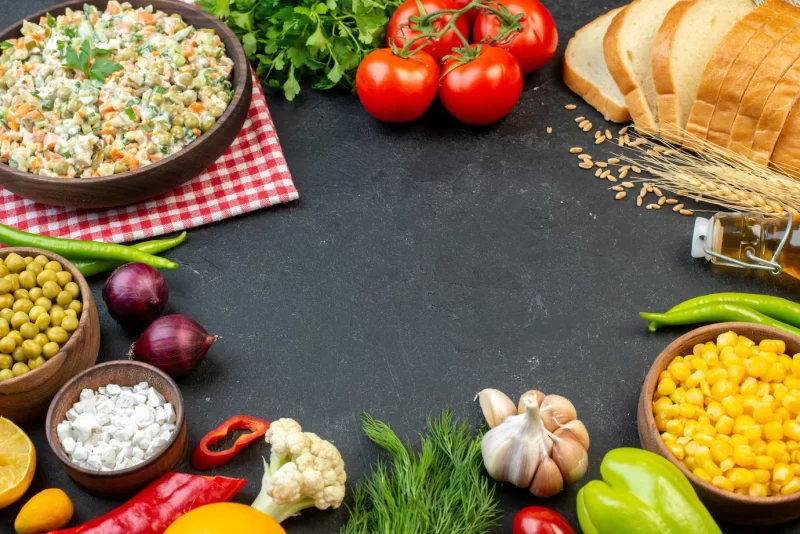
[[94, 93]]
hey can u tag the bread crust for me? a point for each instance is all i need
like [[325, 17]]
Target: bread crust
[[786, 156], [662, 72], [775, 115], [718, 67]]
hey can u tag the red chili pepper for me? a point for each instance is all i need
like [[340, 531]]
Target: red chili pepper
[[205, 458], [158, 505], [540, 520]]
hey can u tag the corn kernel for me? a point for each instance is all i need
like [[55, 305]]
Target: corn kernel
[[791, 487], [750, 402], [768, 345], [762, 389], [762, 413], [695, 396], [791, 403], [679, 370], [736, 372], [703, 439], [776, 449], [756, 366], [688, 411], [740, 491], [666, 387], [720, 450], [791, 446], [726, 465], [701, 473], [757, 490], [743, 422], [795, 370], [722, 388], [762, 476], [691, 448], [661, 422], [676, 450], [694, 379], [791, 429], [782, 473], [712, 469], [698, 364], [791, 381], [795, 455], [705, 389], [727, 339], [783, 414], [743, 456], [734, 405], [738, 439], [741, 478], [749, 386], [690, 463], [703, 419], [702, 455], [780, 392], [677, 396], [727, 353], [773, 430], [673, 410], [715, 375], [741, 351], [667, 437], [697, 350], [714, 411], [786, 361], [674, 426], [759, 446], [752, 432], [745, 341], [796, 468], [690, 428], [660, 404], [722, 483], [764, 462], [778, 372], [683, 441]]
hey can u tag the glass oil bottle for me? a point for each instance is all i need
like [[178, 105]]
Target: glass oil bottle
[[757, 241]]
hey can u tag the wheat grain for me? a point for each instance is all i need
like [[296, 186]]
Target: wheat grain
[[570, 107]]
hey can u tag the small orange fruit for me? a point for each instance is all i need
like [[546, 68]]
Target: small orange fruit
[[48, 510], [225, 518]]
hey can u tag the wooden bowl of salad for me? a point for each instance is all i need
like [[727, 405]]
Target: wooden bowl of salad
[[106, 103]]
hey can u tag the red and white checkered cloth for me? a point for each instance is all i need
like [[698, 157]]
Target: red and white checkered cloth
[[252, 174]]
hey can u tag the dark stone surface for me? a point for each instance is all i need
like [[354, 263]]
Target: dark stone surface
[[422, 264]]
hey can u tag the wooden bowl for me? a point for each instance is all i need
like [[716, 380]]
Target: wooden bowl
[[723, 505], [160, 177], [122, 373], [28, 396]]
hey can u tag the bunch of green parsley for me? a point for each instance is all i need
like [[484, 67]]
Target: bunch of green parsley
[[291, 41]]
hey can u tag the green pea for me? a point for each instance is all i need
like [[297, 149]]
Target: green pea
[[225, 97], [21, 293], [43, 321], [16, 336], [156, 99], [177, 132], [20, 369], [4, 328], [6, 286], [34, 268], [57, 315], [41, 260], [3, 270], [7, 344], [191, 120], [7, 314], [74, 105], [76, 306], [41, 339], [50, 349], [15, 262], [184, 80], [46, 276], [177, 120], [22, 305], [73, 289], [6, 374], [44, 302], [69, 323], [35, 312], [50, 289], [151, 148], [63, 93], [164, 139], [208, 122], [27, 279], [35, 293], [54, 266], [14, 279], [63, 278], [71, 313], [215, 111], [29, 330], [36, 362], [120, 167], [6, 361], [189, 97], [6, 301], [55, 334], [61, 167], [28, 259], [19, 355], [128, 54], [31, 348], [19, 318]]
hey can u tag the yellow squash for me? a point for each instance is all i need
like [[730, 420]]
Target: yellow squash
[[225, 518]]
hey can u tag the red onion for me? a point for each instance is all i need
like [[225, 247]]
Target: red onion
[[135, 294], [173, 343]]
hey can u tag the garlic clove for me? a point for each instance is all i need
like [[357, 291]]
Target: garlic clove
[[575, 430], [539, 397], [496, 406], [557, 411], [548, 480], [571, 458]]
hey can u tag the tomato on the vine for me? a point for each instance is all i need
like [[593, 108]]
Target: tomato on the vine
[[534, 45], [470, 15], [482, 90], [400, 29], [397, 89], [540, 520]]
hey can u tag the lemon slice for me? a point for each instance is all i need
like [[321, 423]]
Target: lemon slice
[[17, 462]]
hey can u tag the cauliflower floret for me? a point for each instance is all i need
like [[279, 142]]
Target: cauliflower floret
[[304, 471]]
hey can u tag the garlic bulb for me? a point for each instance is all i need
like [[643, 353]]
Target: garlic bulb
[[542, 448], [496, 406]]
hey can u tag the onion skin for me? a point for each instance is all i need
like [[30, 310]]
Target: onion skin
[[135, 294], [175, 344]]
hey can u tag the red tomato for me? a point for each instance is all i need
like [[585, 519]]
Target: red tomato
[[396, 89], [540, 520], [399, 29], [483, 90], [470, 15], [534, 45]]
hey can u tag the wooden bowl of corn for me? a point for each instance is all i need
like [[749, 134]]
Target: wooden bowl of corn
[[725, 412]]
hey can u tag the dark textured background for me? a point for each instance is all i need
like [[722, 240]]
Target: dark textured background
[[422, 264]]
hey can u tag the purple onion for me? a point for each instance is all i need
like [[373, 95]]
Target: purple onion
[[135, 294], [173, 343]]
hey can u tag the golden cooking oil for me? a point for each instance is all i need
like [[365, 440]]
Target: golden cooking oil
[[734, 234]]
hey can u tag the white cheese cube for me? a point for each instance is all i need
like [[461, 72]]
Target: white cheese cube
[[135, 461], [161, 416], [64, 430], [125, 400], [102, 390], [81, 454], [103, 419], [141, 387], [137, 453], [71, 415], [154, 398], [123, 434], [86, 394], [139, 398], [141, 439], [143, 416], [113, 389], [94, 462], [153, 430], [83, 426], [116, 444], [108, 457], [122, 464], [86, 406], [170, 413], [69, 446], [154, 446]]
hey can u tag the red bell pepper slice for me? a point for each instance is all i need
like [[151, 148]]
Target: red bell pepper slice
[[158, 505], [204, 458], [540, 520]]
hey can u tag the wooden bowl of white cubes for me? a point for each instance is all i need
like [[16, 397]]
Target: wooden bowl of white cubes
[[118, 426]]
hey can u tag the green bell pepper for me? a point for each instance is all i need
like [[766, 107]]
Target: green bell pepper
[[641, 493]]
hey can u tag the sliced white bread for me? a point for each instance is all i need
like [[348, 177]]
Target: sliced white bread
[[688, 37], [586, 73], [718, 66], [776, 111], [742, 71], [761, 86], [628, 47], [786, 155]]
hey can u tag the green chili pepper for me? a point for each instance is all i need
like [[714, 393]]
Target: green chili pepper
[[641, 493], [81, 250], [719, 312], [90, 268], [781, 309]]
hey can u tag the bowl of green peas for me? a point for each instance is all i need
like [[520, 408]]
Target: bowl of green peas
[[49, 330]]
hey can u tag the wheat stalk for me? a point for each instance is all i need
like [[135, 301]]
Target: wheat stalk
[[715, 175]]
